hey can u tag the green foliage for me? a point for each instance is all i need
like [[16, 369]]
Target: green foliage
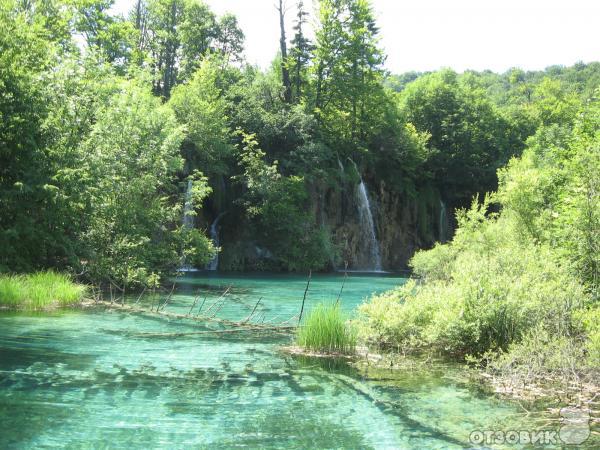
[[590, 319], [539, 356], [482, 292], [200, 106], [349, 98], [39, 290], [276, 206], [325, 330], [24, 57], [132, 155], [300, 55], [177, 34], [518, 288], [113, 38], [468, 136], [552, 192], [284, 133]]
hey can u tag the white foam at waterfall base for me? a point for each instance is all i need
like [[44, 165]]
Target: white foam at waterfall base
[[214, 236]]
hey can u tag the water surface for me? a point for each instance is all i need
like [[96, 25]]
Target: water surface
[[97, 378]]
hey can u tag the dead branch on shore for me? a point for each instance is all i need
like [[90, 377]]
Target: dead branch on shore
[[158, 307]]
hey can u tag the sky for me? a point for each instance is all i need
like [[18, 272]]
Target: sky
[[423, 35]]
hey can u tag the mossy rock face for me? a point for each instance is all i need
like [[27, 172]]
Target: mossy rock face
[[404, 223], [247, 256]]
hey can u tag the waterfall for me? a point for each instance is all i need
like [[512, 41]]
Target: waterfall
[[214, 235], [367, 227], [443, 225]]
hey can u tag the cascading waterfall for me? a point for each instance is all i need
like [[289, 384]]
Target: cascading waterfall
[[214, 235], [367, 227], [443, 222]]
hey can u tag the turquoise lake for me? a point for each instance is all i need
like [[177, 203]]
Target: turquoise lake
[[99, 378]]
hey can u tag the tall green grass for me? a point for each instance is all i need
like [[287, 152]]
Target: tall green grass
[[39, 290], [325, 330]]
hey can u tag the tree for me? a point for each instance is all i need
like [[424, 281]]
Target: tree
[[164, 17], [276, 207], [230, 39], [300, 54], [349, 94], [256, 106], [134, 232], [113, 37], [469, 136], [178, 34], [201, 107], [25, 189], [285, 73], [198, 33]]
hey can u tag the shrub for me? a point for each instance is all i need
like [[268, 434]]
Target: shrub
[[325, 330], [590, 319], [484, 293]]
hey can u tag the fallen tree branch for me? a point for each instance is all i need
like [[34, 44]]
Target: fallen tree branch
[[252, 313], [304, 298], [226, 331], [169, 315]]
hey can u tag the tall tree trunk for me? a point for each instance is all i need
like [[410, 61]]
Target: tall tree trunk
[[285, 73], [171, 50], [138, 15], [298, 79]]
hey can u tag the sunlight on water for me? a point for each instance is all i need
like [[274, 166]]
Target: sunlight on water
[[85, 379]]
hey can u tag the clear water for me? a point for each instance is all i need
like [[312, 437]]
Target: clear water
[[105, 379]]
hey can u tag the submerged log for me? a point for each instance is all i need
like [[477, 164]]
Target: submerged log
[[200, 318], [259, 329]]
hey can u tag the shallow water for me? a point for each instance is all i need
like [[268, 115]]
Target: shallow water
[[95, 378]]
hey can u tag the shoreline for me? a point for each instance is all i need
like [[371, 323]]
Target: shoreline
[[554, 387]]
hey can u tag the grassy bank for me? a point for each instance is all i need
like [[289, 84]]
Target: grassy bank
[[325, 330], [39, 291]]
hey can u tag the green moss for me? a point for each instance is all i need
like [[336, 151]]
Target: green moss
[[39, 290]]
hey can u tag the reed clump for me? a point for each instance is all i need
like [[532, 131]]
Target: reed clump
[[39, 291], [325, 329]]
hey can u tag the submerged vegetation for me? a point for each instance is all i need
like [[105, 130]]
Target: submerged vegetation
[[325, 329], [39, 290], [123, 140]]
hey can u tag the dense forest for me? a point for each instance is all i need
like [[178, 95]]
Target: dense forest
[[106, 120], [134, 148]]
